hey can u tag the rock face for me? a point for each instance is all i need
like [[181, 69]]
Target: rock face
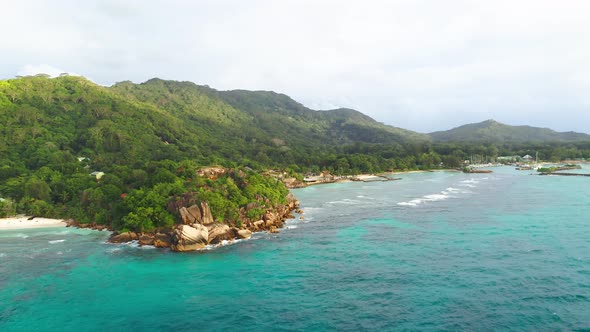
[[190, 215], [258, 224], [206, 213], [162, 240], [146, 239], [218, 233], [123, 237], [188, 238], [244, 234]]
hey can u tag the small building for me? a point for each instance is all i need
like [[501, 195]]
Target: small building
[[528, 158]]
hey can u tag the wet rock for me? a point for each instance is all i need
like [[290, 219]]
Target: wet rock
[[123, 237], [244, 234], [146, 239], [189, 238], [219, 233], [162, 240]]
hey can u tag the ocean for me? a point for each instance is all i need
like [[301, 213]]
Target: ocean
[[442, 251]]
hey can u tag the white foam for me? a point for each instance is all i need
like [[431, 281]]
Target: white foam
[[57, 241], [435, 197], [2, 254], [345, 201], [427, 198], [62, 232], [451, 189], [222, 244], [290, 226], [474, 181], [132, 244], [467, 185]]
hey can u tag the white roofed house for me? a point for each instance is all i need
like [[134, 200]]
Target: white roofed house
[[528, 158]]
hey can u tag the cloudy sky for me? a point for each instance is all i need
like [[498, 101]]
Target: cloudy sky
[[421, 65]]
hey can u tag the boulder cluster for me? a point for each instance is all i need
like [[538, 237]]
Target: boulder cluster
[[198, 228]]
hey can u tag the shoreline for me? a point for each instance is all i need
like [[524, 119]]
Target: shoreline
[[378, 177], [23, 222]]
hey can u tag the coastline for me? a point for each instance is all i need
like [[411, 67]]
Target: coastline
[[379, 177], [23, 222]]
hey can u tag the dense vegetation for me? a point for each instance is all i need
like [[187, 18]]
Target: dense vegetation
[[149, 140]]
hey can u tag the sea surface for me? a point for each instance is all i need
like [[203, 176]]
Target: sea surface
[[433, 251]]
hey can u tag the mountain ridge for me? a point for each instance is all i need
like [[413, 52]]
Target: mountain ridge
[[492, 131]]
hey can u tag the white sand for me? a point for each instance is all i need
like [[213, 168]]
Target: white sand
[[19, 222], [369, 177]]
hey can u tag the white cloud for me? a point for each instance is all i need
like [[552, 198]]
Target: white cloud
[[425, 65]]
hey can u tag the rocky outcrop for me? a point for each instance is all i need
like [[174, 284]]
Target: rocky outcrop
[[218, 233], [206, 213], [123, 237], [162, 240], [200, 214], [244, 234], [189, 237], [258, 225], [212, 173], [198, 228], [146, 239], [190, 215]]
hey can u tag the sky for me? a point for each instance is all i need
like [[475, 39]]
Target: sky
[[421, 65]]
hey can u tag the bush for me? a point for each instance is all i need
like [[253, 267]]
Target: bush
[[7, 208]]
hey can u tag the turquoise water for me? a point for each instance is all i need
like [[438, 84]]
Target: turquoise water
[[434, 251]]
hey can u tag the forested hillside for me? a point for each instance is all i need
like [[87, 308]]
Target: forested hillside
[[121, 155]]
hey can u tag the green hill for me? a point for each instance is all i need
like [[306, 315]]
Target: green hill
[[150, 138], [309, 127], [491, 131]]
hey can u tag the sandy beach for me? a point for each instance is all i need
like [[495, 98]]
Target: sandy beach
[[21, 221]]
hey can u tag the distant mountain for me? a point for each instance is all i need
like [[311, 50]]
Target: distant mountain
[[491, 131], [282, 117]]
